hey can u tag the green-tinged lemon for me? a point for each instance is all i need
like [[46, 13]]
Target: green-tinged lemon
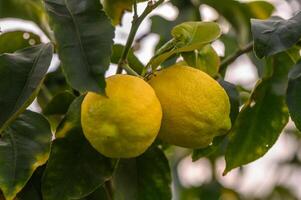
[[126, 121]]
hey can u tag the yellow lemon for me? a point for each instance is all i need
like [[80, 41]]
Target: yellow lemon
[[195, 107], [124, 123]]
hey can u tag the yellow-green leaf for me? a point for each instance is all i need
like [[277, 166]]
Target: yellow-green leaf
[[188, 36], [205, 59], [260, 9], [116, 8]]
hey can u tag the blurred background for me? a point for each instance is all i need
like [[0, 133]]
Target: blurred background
[[275, 176]]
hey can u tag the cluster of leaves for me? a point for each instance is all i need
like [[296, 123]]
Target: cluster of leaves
[[35, 166]]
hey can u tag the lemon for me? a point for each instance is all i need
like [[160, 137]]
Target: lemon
[[124, 123], [195, 107]]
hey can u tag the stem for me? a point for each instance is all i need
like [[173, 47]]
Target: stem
[[46, 93], [108, 185], [235, 55], [109, 189], [129, 70], [135, 25], [135, 10], [197, 13]]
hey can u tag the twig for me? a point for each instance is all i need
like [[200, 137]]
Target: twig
[[135, 10], [135, 25], [46, 92], [128, 69], [235, 55], [108, 188]]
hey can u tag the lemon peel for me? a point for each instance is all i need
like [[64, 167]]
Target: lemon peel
[[195, 107], [126, 121]]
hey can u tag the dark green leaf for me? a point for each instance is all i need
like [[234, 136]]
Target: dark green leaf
[[98, 194], [231, 47], [55, 82], [146, 177], [15, 40], [275, 35], [239, 14], [162, 27], [234, 98], [24, 146], [32, 10], [181, 4], [21, 75], [74, 169], [230, 42], [293, 98], [32, 189], [205, 152], [1, 196], [133, 61], [59, 104], [262, 118], [84, 37]]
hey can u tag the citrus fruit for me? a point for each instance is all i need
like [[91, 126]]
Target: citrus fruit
[[195, 107], [126, 121]]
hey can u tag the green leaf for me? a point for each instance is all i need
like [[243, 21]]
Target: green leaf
[[84, 37], [230, 43], [15, 40], [181, 4], [59, 104], [32, 10], [98, 194], [21, 75], [55, 82], [234, 98], [188, 36], [267, 112], [162, 27], [1, 196], [238, 14], [260, 9], [25, 145], [293, 98], [32, 189], [75, 169], [208, 151], [133, 61], [146, 177], [205, 59], [116, 8], [275, 35]]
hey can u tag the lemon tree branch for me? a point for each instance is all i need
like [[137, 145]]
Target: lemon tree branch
[[109, 190], [235, 55], [137, 20]]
